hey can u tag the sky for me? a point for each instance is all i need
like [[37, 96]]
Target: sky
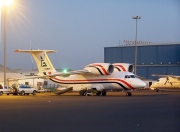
[[80, 29]]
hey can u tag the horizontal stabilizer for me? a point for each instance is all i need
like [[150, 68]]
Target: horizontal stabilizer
[[36, 51]]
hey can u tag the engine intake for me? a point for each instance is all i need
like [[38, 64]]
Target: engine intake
[[123, 67], [100, 68]]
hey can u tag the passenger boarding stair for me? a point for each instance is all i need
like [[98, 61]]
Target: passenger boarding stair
[[60, 91]]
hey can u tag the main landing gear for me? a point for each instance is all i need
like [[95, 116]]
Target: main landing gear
[[157, 90], [92, 92]]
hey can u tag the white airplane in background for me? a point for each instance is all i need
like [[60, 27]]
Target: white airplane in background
[[95, 78], [166, 82]]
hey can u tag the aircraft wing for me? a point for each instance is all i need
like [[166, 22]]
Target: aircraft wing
[[53, 75], [140, 77], [158, 75]]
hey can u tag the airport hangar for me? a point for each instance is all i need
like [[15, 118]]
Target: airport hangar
[[20, 73], [152, 58], [15, 74]]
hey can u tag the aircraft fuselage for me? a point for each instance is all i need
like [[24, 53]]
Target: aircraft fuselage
[[166, 83], [117, 80]]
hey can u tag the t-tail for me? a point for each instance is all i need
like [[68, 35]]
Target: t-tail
[[43, 62]]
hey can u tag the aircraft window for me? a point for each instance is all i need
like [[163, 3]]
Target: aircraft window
[[132, 76], [24, 86], [129, 76]]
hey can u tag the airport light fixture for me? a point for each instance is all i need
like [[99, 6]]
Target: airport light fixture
[[65, 71], [3, 5], [135, 51], [6, 2]]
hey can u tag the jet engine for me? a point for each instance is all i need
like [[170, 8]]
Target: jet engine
[[100, 68], [123, 67]]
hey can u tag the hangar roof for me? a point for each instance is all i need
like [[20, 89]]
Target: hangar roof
[[9, 73], [8, 70], [144, 44]]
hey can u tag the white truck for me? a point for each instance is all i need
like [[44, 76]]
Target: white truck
[[5, 90], [22, 89]]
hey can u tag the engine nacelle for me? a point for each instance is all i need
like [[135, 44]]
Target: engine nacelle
[[100, 68], [123, 67]]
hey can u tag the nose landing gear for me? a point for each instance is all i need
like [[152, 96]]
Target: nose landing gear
[[128, 94]]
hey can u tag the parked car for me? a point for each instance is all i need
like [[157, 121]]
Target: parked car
[[41, 90], [5, 90], [22, 89]]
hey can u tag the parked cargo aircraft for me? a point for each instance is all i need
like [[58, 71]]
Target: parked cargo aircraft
[[166, 82], [95, 78]]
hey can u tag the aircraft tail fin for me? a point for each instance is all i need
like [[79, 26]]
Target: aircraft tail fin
[[42, 60]]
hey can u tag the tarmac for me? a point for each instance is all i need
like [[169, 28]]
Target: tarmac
[[143, 111]]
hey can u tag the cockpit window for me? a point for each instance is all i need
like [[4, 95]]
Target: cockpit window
[[129, 76], [132, 76]]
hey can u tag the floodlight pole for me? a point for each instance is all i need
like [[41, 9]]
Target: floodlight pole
[[4, 23], [135, 51]]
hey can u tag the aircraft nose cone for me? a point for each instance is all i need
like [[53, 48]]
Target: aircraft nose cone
[[143, 84], [140, 84]]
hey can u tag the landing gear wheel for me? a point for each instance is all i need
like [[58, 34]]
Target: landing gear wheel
[[34, 93], [128, 94], [104, 93], [81, 93], [1, 93], [157, 90], [22, 93], [98, 93]]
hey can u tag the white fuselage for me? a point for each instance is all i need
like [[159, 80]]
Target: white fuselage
[[116, 80]]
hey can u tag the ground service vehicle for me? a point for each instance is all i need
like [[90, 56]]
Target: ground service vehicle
[[22, 89], [5, 90], [40, 89]]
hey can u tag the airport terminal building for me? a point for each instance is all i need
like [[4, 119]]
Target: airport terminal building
[[152, 58]]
